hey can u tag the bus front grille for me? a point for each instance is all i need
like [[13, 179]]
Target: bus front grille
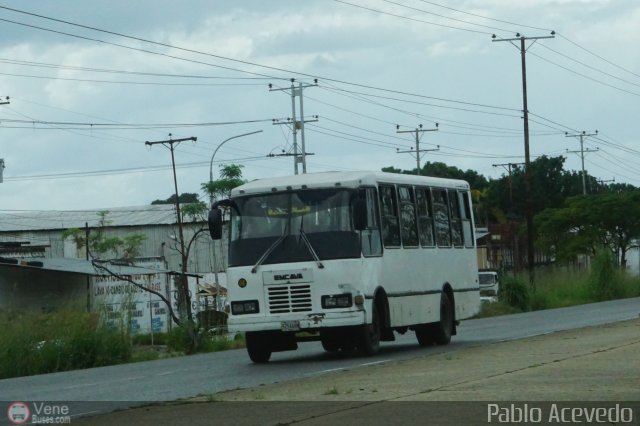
[[290, 298]]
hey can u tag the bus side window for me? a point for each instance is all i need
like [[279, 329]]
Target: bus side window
[[390, 222], [456, 221], [441, 216], [425, 217], [467, 228], [408, 226], [370, 237]]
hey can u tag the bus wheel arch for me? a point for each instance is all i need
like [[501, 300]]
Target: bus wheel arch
[[381, 301]]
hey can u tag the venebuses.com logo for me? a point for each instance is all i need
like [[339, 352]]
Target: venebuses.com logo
[[18, 413], [38, 412]]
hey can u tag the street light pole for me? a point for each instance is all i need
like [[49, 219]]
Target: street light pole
[[215, 266], [214, 154]]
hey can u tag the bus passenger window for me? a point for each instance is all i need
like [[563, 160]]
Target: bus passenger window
[[441, 216], [408, 226], [456, 223], [390, 222], [467, 229], [425, 217]]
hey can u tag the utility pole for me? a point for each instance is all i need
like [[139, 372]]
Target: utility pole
[[418, 131], [582, 135], [184, 285], [527, 159], [297, 125], [508, 167], [5, 102], [515, 252]]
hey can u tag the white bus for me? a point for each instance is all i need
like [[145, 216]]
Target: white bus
[[348, 258]]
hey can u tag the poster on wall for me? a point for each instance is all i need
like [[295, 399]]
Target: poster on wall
[[125, 304]]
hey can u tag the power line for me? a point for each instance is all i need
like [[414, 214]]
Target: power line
[[445, 17], [194, 51], [115, 71], [139, 83], [598, 56], [411, 19], [484, 17], [586, 76], [132, 126]]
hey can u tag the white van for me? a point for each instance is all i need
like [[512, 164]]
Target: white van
[[489, 283]]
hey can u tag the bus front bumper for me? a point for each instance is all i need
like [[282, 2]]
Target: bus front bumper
[[293, 323]]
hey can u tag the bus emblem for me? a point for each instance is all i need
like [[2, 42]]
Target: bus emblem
[[282, 277]]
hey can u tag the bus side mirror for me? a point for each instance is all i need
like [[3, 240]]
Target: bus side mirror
[[360, 214], [215, 223]]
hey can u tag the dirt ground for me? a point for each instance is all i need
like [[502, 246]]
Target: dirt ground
[[585, 370]]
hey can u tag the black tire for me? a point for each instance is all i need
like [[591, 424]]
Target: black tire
[[330, 345], [443, 329], [424, 334], [257, 347], [369, 339]]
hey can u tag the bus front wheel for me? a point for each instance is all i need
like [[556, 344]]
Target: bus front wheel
[[258, 347], [369, 342]]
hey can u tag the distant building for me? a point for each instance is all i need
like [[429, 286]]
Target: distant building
[[43, 230], [37, 238]]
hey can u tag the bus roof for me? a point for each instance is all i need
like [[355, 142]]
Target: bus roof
[[341, 179]]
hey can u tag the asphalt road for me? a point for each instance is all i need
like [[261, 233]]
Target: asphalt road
[[204, 374]]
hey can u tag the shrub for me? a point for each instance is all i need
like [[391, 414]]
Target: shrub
[[605, 280], [68, 339], [514, 292], [178, 340]]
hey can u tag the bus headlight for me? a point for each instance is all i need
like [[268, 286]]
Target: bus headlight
[[359, 300], [337, 301], [245, 307]]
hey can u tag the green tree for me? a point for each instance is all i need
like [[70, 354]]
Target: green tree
[[99, 244], [438, 169], [587, 223], [230, 177], [184, 198]]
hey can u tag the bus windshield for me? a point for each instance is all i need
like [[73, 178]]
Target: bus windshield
[[323, 216]]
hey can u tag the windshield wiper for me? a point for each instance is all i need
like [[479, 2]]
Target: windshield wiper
[[270, 249], [303, 236]]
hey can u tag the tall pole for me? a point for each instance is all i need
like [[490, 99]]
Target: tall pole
[[302, 157], [5, 102], [515, 255], [304, 151], [527, 159], [215, 262], [295, 128], [582, 135], [419, 131], [184, 286]]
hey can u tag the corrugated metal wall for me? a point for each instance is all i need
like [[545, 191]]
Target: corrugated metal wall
[[160, 241]]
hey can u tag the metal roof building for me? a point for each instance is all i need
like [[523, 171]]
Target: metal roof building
[[43, 231], [24, 220]]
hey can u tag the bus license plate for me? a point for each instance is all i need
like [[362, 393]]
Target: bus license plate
[[290, 326]]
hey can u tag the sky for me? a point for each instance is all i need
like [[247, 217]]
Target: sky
[[90, 82]]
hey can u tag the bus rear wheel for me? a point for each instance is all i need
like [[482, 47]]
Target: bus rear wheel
[[258, 347], [443, 329], [438, 332]]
